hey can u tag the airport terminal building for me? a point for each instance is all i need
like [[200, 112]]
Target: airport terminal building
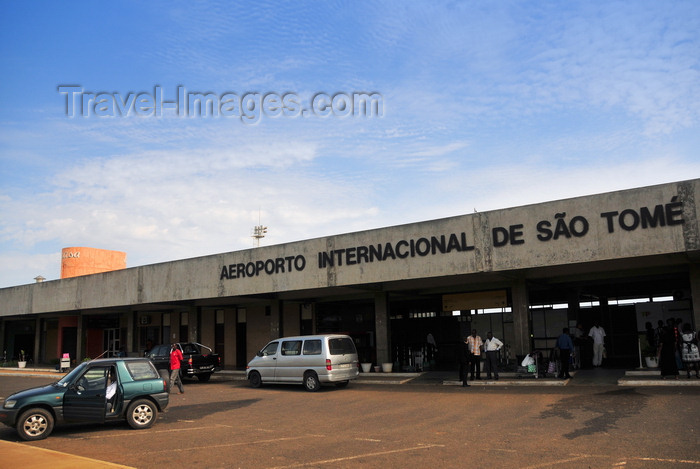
[[404, 293]]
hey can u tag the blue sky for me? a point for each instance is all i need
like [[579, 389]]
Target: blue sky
[[486, 105]]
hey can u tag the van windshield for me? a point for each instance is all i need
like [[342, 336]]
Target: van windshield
[[341, 346]]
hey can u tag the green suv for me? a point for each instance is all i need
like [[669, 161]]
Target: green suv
[[94, 392]]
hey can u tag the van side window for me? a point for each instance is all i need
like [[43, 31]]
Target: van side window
[[291, 347], [312, 347], [270, 349]]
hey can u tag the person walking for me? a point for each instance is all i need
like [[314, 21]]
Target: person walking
[[491, 347], [566, 348], [475, 346], [597, 333], [464, 361], [175, 358], [689, 350]]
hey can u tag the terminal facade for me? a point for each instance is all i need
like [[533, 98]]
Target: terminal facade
[[406, 293]]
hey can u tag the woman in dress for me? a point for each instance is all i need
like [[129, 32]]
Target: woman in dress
[[667, 353], [689, 350]]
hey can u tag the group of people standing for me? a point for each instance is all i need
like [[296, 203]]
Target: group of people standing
[[569, 347], [470, 352], [676, 348]]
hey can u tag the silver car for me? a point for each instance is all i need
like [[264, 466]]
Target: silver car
[[310, 360]]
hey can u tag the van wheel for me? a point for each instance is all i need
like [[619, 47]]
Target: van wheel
[[311, 382], [254, 379], [204, 377], [341, 384], [35, 424]]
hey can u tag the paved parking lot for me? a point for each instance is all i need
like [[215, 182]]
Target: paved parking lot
[[227, 424]]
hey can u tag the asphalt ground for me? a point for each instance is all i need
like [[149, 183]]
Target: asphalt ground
[[225, 423]]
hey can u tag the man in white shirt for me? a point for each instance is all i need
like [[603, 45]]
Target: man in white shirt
[[598, 335], [492, 345]]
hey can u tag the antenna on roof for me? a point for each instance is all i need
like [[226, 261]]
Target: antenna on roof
[[259, 230]]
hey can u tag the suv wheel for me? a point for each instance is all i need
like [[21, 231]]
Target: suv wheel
[[141, 414], [204, 377], [311, 382], [35, 424]]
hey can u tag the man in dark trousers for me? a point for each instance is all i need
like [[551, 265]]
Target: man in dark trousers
[[566, 347], [175, 358], [464, 356], [475, 345]]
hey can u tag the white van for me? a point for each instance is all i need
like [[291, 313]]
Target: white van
[[310, 360]]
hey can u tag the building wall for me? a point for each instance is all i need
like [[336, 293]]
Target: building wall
[[621, 225]]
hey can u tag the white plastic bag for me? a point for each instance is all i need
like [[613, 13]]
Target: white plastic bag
[[528, 360]]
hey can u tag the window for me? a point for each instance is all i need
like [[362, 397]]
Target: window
[[159, 351], [341, 346], [270, 349], [95, 378], [312, 347], [291, 347], [141, 370]]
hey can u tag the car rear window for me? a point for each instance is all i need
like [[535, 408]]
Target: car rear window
[[142, 370], [341, 346], [190, 348]]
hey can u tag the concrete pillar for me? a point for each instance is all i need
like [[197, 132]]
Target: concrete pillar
[[131, 333], [381, 325], [2, 335], [276, 325], [37, 341], [80, 339], [230, 339], [574, 308], [695, 293], [193, 325], [521, 318], [174, 327]]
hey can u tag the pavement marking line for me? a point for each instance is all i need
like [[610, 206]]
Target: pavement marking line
[[358, 456], [554, 463], [243, 443], [131, 432], [369, 439], [640, 458], [674, 461]]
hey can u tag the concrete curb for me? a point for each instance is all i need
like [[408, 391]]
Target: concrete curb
[[642, 377], [512, 382]]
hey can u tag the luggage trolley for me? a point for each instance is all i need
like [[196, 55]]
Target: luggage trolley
[[537, 368], [65, 362]]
